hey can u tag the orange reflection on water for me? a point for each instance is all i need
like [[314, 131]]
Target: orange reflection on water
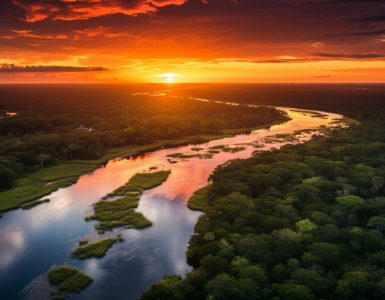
[[48, 233]]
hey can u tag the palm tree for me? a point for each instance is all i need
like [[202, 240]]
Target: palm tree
[[42, 159], [73, 148]]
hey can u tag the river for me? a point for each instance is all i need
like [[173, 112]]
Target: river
[[32, 241]]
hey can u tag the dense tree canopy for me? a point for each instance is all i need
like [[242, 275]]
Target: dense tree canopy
[[303, 222]]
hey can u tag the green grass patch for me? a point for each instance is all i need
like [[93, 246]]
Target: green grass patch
[[209, 153], [146, 181], [346, 121], [97, 249], [198, 201], [42, 183], [234, 149], [30, 205], [140, 182], [116, 213], [121, 212], [68, 279], [28, 190], [282, 138], [218, 147], [83, 242], [182, 155]]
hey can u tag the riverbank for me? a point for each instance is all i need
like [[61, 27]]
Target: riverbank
[[44, 182], [144, 256], [267, 230]]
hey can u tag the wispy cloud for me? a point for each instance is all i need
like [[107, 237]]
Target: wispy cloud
[[375, 18], [36, 10], [350, 55], [11, 68], [362, 33], [31, 34], [99, 31]]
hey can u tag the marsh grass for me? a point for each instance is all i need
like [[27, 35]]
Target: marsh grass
[[182, 155], [214, 151], [34, 203], [146, 181], [234, 149], [68, 279], [121, 212], [218, 147], [97, 249], [282, 138], [199, 200], [207, 153], [83, 242], [42, 183], [140, 182], [226, 148]]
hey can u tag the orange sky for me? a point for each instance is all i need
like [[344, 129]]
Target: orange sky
[[47, 41]]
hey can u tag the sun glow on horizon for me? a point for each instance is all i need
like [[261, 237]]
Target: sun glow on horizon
[[169, 77]]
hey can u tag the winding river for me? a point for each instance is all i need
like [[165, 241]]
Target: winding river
[[32, 241]]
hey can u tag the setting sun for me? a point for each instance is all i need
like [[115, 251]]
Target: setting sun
[[169, 77]]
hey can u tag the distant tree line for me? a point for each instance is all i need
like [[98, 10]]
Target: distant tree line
[[48, 130]]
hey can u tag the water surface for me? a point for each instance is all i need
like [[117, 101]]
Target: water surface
[[32, 241]]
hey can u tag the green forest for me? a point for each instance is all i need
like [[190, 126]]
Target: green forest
[[46, 132], [303, 222]]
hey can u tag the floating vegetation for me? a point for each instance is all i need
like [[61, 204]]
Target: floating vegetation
[[214, 151], [97, 249], [282, 138], [258, 145], [182, 155], [219, 147], [121, 212], [68, 280], [304, 131], [172, 161], [345, 122], [32, 204], [244, 144], [234, 149], [313, 114], [226, 148], [208, 154]]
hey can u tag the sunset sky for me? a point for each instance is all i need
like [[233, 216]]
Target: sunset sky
[[122, 41]]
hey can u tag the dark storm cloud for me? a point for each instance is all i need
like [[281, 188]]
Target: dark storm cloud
[[10, 68]]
